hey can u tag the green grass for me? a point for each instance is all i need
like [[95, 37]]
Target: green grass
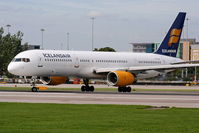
[[62, 118], [14, 88]]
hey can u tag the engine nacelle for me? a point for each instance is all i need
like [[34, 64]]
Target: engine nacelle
[[120, 78], [53, 80]]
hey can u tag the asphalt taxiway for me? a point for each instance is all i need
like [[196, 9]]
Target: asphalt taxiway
[[153, 98], [106, 86], [189, 100]]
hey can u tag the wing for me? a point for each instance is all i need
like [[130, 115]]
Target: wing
[[145, 68]]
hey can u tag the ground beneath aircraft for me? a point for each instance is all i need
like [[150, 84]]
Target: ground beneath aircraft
[[171, 99]]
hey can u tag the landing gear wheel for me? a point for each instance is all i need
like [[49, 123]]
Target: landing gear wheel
[[120, 89], [83, 88], [33, 84], [92, 88], [128, 89], [87, 88], [34, 89], [124, 89]]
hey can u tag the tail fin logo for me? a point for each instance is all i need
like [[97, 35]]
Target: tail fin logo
[[174, 36], [170, 44]]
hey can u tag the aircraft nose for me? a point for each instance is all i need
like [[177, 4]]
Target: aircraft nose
[[11, 69]]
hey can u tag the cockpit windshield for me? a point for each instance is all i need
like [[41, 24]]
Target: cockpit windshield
[[21, 60]]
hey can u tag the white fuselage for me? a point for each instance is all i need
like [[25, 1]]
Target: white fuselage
[[83, 63]]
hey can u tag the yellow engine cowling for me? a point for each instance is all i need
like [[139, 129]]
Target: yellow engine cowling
[[120, 78], [54, 80]]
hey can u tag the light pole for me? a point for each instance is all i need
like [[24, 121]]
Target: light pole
[[8, 26], [195, 75], [92, 18], [68, 40], [42, 38], [187, 19]]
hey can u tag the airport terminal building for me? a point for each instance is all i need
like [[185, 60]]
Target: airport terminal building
[[188, 48]]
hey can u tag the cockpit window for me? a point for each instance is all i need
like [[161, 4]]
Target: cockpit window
[[21, 60], [17, 60], [25, 60]]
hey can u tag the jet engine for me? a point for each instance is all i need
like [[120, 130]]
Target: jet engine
[[53, 80], [120, 78]]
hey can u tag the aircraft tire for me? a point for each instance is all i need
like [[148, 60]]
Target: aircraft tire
[[92, 88], [34, 89], [120, 89], [128, 89], [83, 88], [124, 89], [87, 88]]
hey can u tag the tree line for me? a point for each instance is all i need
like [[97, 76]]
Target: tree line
[[10, 46], [105, 49]]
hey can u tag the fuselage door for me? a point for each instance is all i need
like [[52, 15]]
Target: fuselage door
[[76, 62]]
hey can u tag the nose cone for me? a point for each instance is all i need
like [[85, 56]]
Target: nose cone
[[17, 68], [14, 68], [11, 69]]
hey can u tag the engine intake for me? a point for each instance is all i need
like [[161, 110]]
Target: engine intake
[[53, 80], [120, 78]]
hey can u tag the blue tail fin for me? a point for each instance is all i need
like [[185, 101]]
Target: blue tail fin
[[169, 45]]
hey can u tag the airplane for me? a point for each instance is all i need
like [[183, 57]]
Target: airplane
[[119, 69]]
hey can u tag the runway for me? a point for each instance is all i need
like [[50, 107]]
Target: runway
[[106, 86], [153, 99]]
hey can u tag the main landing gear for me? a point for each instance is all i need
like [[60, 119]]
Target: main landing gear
[[86, 87], [124, 89]]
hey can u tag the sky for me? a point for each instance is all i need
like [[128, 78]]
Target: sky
[[117, 23]]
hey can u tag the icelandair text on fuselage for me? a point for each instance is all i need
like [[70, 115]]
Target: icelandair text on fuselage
[[46, 55]]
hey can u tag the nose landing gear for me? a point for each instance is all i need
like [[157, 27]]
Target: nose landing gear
[[34, 88]]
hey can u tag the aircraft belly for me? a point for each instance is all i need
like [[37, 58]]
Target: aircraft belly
[[88, 73], [148, 74]]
